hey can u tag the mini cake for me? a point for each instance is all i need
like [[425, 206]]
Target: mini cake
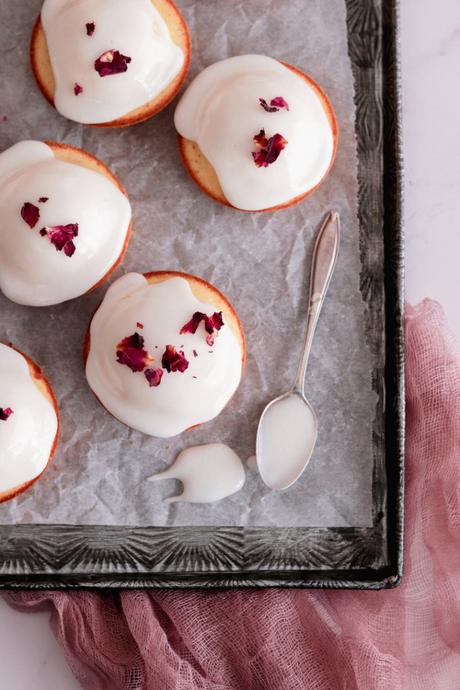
[[110, 63], [65, 222], [256, 134], [29, 422], [165, 352]]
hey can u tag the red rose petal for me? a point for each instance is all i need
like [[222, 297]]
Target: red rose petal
[[275, 104], [130, 351], [279, 103], [192, 325], [270, 152], [139, 325], [69, 248], [90, 26], [260, 139], [61, 236], [212, 324], [77, 89], [43, 199], [153, 376], [266, 107], [5, 413], [111, 62], [30, 214], [173, 360]]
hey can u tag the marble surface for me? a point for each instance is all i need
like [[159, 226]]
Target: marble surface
[[29, 656]]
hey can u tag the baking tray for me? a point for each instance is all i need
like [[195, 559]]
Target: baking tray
[[72, 556]]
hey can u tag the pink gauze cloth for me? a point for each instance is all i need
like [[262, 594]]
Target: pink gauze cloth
[[407, 638]]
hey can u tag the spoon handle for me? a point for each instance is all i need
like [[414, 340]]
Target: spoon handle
[[324, 259]]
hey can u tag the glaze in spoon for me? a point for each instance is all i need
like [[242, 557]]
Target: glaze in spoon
[[288, 427]]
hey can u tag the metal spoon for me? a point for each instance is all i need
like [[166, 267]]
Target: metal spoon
[[288, 427]]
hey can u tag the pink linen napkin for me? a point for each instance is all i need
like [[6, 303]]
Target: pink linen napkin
[[402, 639]]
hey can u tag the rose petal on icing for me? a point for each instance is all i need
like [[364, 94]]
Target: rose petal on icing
[[77, 89], [195, 353], [270, 152], [212, 324], [111, 62], [69, 248], [30, 214], [260, 139], [279, 103], [130, 351], [43, 199], [5, 413], [173, 360], [61, 236], [90, 26], [265, 106], [275, 104], [192, 325], [139, 325], [153, 376]]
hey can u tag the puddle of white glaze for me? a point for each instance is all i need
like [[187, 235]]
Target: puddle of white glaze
[[209, 473]]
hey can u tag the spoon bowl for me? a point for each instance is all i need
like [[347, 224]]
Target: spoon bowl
[[288, 427], [287, 432]]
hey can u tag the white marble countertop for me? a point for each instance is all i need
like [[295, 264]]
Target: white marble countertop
[[29, 656]]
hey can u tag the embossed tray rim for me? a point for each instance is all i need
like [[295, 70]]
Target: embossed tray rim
[[68, 556]]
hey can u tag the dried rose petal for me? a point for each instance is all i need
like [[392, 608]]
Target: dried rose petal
[[43, 199], [77, 89], [260, 139], [275, 104], [214, 322], [173, 360], [30, 214], [139, 325], [270, 151], [5, 413], [211, 323], [195, 353], [279, 103], [90, 26], [192, 325], [153, 376], [61, 236], [130, 351], [111, 62]]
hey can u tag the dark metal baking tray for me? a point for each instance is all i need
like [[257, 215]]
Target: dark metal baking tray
[[67, 556]]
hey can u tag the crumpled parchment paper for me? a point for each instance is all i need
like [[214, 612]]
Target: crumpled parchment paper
[[261, 261]]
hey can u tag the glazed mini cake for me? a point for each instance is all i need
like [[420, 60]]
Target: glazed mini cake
[[165, 352], [256, 134], [110, 63], [65, 222], [29, 422]]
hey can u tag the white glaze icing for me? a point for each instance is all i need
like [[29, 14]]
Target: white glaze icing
[[285, 440], [32, 272], [220, 111], [135, 28], [27, 436], [209, 473], [180, 401]]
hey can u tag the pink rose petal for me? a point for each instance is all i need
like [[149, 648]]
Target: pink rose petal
[[111, 62], [30, 214]]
